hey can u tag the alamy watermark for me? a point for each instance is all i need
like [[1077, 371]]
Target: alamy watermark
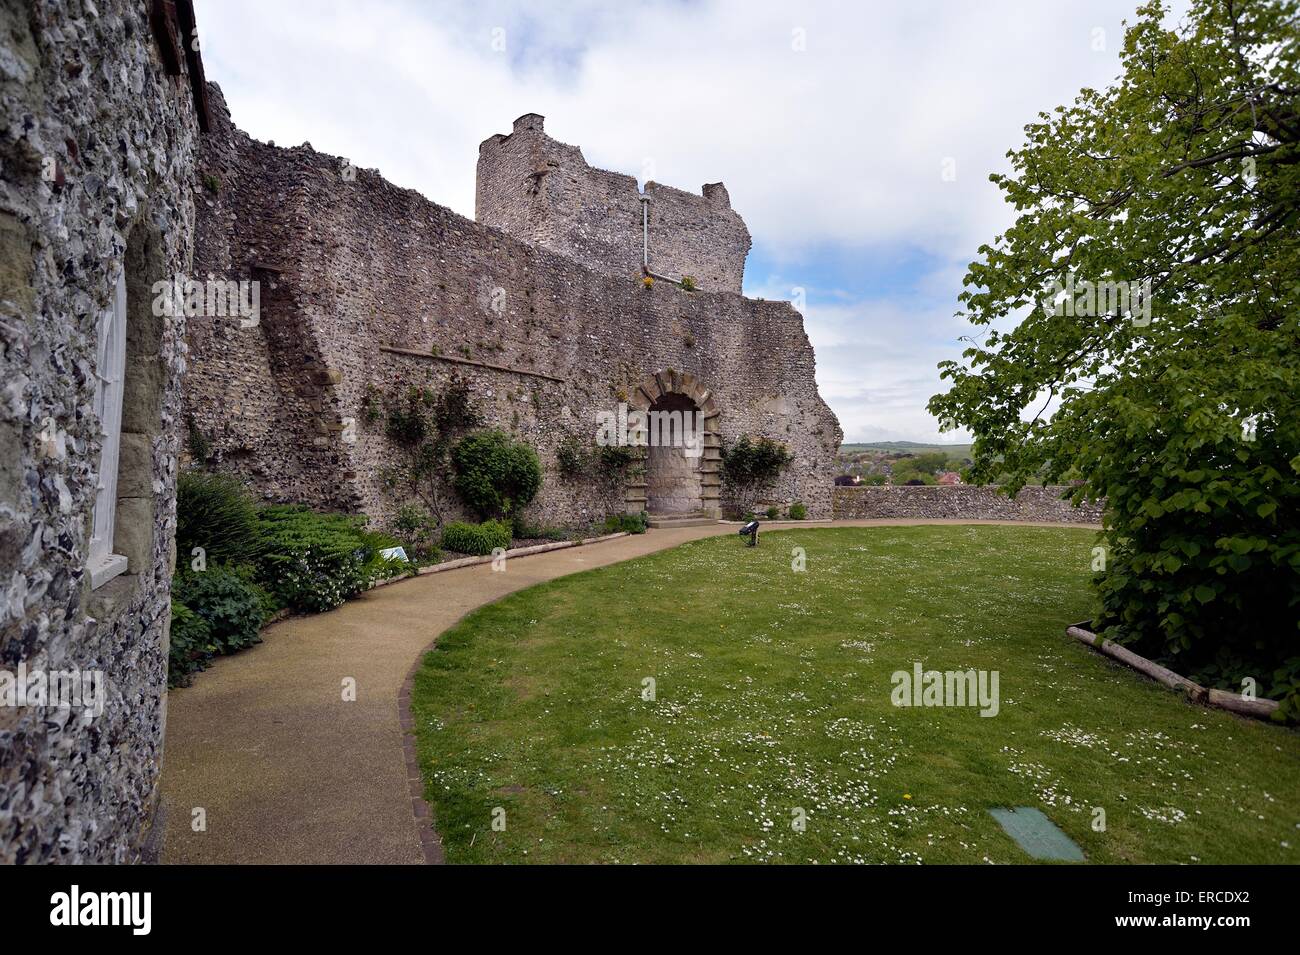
[[630, 427], [214, 298], [923, 687], [69, 689], [1084, 298]]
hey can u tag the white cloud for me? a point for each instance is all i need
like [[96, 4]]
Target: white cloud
[[840, 143], [840, 146]]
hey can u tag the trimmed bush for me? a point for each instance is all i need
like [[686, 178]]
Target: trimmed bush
[[313, 562], [496, 476], [798, 511], [215, 512], [773, 512], [477, 539], [232, 607]]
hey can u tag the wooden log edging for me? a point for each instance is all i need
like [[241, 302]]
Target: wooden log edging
[[1223, 699]]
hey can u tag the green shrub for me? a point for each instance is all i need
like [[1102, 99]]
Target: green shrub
[[495, 475], [798, 511], [478, 539], [232, 607], [773, 512], [190, 646], [216, 513], [313, 562], [630, 523]]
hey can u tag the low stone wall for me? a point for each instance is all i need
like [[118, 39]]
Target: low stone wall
[[968, 501]]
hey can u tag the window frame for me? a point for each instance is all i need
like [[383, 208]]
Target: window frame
[[110, 382]]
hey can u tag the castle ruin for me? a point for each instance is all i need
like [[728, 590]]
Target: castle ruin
[[541, 306], [123, 174]]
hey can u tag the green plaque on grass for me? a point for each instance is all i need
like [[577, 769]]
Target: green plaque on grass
[[1037, 834]]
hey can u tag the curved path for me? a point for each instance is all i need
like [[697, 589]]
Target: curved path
[[287, 771]]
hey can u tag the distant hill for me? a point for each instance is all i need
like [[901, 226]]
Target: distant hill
[[907, 447]]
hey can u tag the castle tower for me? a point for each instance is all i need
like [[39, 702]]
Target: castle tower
[[544, 192]]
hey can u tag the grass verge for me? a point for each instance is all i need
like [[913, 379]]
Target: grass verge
[[772, 696]]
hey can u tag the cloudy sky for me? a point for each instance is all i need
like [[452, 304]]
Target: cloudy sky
[[855, 138]]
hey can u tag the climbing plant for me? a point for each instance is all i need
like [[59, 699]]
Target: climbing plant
[[749, 465], [422, 423]]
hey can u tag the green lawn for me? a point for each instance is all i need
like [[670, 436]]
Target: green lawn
[[773, 694]]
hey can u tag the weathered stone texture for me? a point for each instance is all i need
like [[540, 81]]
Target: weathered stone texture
[[543, 191], [964, 502], [376, 285], [96, 157]]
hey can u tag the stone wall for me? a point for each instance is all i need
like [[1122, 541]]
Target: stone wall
[[373, 286], [97, 148], [543, 191], [962, 502]]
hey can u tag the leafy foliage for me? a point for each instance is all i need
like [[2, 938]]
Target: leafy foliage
[[422, 423], [922, 467], [190, 645], [748, 465], [570, 458], [612, 462], [229, 604], [496, 476], [416, 530], [627, 523], [478, 539], [749, 462], [314, 562], [215, 512], [798, 511], [1183, 177], [200, 446]]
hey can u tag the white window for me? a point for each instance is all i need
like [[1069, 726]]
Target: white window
[[110, 369]]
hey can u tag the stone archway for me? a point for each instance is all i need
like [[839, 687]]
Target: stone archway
[[673, 484]]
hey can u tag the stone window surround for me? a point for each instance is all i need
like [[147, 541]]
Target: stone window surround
[[123, 541], [110, 371]]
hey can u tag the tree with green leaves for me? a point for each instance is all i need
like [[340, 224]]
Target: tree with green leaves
[[1138, 329]]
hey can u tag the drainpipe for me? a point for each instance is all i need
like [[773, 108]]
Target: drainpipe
[[645, 233]]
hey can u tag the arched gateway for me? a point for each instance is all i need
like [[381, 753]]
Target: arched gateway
[[681, 478]]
